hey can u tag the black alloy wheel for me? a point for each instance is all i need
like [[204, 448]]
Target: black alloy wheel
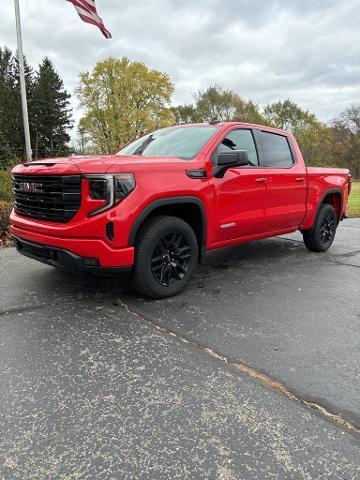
[[322, 234], [327, 230], [170, 260], [166, 254]]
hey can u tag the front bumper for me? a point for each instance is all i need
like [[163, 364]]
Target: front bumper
[[108, 255], [58, 257]]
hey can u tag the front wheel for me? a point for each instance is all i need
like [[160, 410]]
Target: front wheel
[[322, 234], [166, 255]]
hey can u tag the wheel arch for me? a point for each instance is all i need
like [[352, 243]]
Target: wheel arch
[[333, 197], [190, 209]]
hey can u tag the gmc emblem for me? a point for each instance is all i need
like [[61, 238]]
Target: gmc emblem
[[30, 187]]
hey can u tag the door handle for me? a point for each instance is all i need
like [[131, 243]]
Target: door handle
[[300, 179], [261, 180]]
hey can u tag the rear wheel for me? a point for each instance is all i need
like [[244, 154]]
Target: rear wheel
[[322, 234], [166, 255]]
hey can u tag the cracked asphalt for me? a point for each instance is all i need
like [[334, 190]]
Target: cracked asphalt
[[252, 373]]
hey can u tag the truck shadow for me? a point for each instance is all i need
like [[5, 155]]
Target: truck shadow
[[220, 264]]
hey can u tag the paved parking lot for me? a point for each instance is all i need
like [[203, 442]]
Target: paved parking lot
[[253, 372]]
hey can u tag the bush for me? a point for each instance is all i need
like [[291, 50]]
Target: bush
[[6, 186], [5, 210], [6, 202]]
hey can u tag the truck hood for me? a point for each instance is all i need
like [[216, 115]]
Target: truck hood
[[93, 164]]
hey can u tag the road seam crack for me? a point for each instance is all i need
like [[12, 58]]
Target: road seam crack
[[249, 372], [21, 309]]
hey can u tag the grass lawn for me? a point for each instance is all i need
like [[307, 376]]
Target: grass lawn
[[354, 201]]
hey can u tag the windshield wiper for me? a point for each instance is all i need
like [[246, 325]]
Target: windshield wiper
[[140, 150]]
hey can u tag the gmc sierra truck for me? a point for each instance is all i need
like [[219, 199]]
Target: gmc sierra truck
[[155, 207]]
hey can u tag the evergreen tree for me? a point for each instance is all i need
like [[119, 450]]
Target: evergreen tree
[[11, 119], [18, 141], [52, 115], [6, 154], [7, 88]]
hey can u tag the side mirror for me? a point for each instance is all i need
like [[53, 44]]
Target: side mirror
[[235, 158]]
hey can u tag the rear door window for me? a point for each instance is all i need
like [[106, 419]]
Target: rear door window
[[275, 149]]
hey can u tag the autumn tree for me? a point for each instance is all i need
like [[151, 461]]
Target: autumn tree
[[346, 129], [185, 114], [316, 143], [83, 145], [121, 100], [217, 103], [314, 137], [247, 111], [285, 115]]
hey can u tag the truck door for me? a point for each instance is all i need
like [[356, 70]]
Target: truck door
[[287, 187], [241, 196]]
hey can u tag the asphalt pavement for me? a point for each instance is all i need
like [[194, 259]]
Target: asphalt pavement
[[252, 373]]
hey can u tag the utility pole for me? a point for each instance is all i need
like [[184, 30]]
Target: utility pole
[[22, 83]]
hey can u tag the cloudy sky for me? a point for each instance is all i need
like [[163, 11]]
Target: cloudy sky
[[265, 50]]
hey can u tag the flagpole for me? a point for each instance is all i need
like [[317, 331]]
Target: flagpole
[[22, 83]]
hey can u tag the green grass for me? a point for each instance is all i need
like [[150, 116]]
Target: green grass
[[354, 200]]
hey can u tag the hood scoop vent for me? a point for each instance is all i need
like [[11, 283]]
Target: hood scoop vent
[[31, 164]]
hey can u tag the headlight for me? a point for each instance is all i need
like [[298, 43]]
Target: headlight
[[112, 189], [124, 183], [98, 189]]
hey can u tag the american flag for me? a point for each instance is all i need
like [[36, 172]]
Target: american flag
[[87, 12]]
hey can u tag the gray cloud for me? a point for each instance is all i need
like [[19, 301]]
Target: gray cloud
[[264, 49]]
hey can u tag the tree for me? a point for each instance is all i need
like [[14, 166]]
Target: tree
[[17, 137], [123, 99], [285, 115], [11, 120], [51, 113], [316, 143], [217, 103], [346, 129], [314, 137], [82, 144], [5, 152], [7, 88], [185, 114], [248, 112]]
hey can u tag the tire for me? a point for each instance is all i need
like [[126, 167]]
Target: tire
[[166, 253], [322, 233]]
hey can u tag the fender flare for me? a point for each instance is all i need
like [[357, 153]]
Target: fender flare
[[166, 201], [323, 196]]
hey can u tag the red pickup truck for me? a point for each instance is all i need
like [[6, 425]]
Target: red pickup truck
[[155, 207]]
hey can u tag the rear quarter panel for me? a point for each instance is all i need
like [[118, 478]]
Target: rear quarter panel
[[320, 182]]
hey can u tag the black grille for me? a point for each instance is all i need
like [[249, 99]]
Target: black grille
[[52, 198]]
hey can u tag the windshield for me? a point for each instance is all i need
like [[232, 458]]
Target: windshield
[[183, 142]]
